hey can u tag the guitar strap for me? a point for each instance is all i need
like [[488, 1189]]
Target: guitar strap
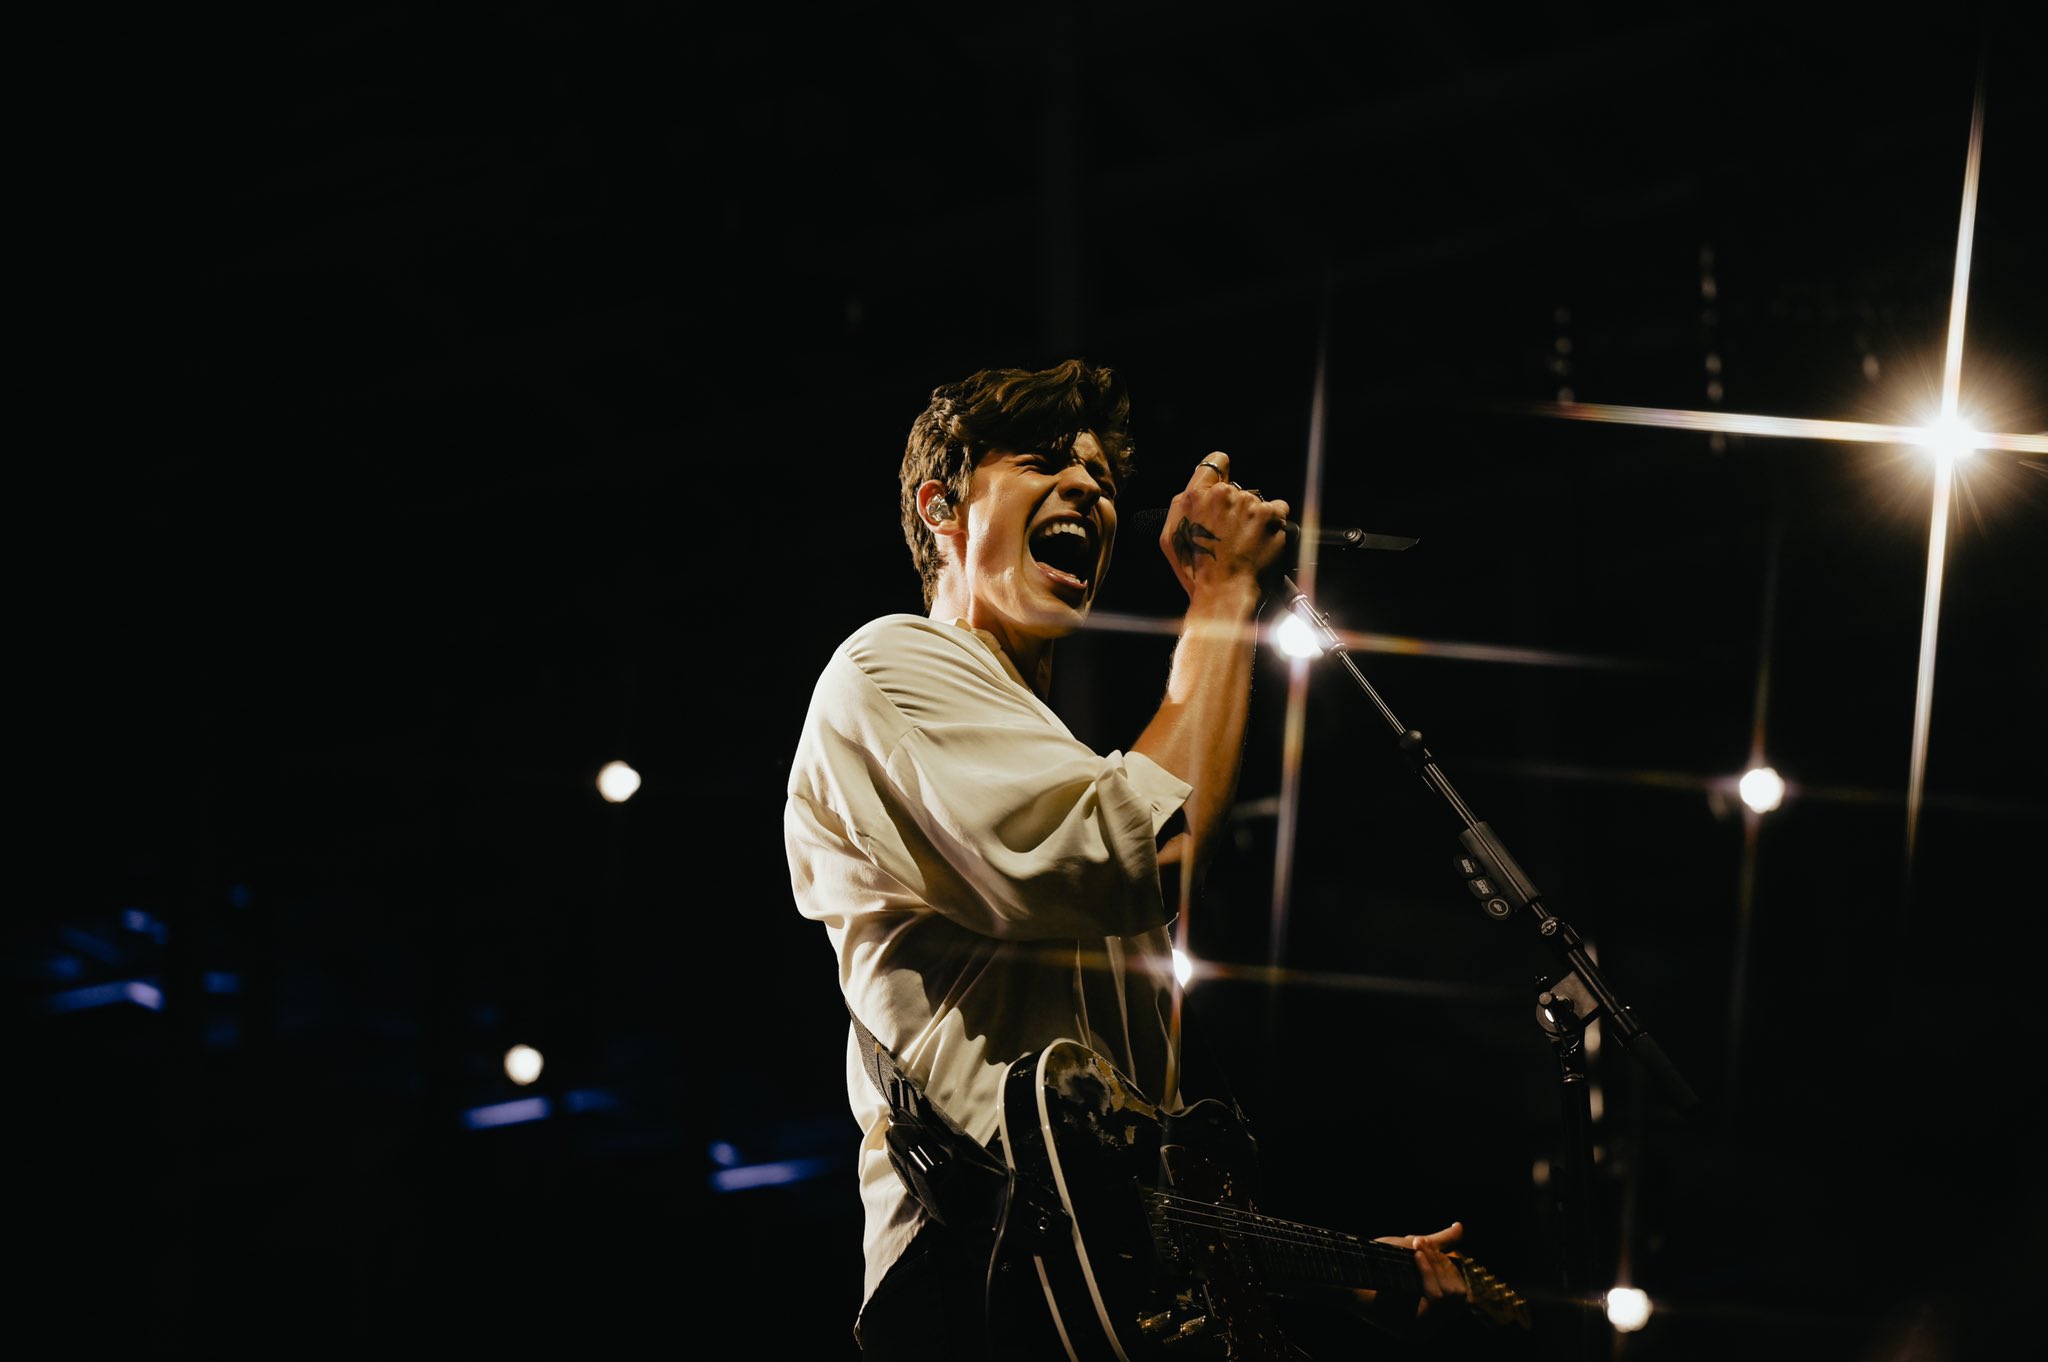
[[959, 1181]]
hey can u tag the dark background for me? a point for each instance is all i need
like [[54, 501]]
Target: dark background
[[436, 406]]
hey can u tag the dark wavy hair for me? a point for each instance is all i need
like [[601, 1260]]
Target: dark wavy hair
[[1020, 410]]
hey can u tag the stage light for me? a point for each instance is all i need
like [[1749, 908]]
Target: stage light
[[777, 1174], [1627, 1309], [523, 1064], [141, 992], [1295, 638], [1949, 437], [617, 782], [1761, 788], [1183, 967], [517, 1112]]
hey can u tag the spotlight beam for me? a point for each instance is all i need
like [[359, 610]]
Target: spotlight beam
[[1783, 427], [1944, 475]]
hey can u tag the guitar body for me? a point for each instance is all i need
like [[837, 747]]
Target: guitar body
[[1156, 1249], [1121, 1285]]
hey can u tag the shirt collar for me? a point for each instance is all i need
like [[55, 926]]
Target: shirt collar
[[990, 640]]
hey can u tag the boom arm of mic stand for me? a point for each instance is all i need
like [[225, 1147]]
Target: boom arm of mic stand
[[1502, 887]]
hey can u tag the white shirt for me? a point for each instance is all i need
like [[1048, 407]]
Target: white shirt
[[989, 883]]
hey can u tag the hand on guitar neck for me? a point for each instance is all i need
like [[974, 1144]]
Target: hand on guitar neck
[[1445, 1287], [1443, 1279]]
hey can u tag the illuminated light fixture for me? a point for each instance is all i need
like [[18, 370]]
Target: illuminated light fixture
[[617, 782], [141, 992], [1183, 967], [523, 1064], [1628, 1309], [1296, 639], [777, 1174], [513, 1113], [1949, 437], [1761, 788]]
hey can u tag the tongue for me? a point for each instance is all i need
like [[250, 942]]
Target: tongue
[[1059, 578]]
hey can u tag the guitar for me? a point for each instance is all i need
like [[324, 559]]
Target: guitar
[[1159, 1247]]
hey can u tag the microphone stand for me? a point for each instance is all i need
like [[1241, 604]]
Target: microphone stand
[[1568, 1003]]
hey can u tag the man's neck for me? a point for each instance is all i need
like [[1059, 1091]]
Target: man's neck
[[1031, 660]]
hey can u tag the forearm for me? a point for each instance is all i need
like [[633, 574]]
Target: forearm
[[1198, 732]]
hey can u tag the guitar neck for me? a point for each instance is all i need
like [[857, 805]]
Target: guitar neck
[[1284, 1252]]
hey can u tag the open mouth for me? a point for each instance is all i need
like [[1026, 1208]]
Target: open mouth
[[1066, 551]]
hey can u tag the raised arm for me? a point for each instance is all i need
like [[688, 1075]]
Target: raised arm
[[1220, 540]]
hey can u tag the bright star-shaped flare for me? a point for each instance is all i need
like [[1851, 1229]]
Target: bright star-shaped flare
[[1947, 435]]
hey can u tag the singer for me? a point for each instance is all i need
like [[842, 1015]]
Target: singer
[[991, 886]]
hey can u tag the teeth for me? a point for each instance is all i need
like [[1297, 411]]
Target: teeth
[[1075, 561]]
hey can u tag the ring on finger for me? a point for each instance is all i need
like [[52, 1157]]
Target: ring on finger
[[1215, 468]]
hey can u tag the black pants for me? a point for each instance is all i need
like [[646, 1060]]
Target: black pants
[[935, 1304]]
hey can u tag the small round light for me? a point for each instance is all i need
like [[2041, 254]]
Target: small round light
[[617, 782], [523, 1064], [1761, 788], [1627, 1309], [1296, 639]]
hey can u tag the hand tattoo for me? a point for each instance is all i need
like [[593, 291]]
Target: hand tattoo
[[1187, 542]]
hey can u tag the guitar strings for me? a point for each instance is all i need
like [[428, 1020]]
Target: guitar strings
[[1288, 1235], [1293, 1236]]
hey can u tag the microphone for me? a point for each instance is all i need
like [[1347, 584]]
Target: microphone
[[1149, 519]]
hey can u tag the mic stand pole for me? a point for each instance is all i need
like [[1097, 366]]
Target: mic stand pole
[[1568, 1004]]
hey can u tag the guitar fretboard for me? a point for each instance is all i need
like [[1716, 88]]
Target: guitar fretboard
[[1279, 1251]]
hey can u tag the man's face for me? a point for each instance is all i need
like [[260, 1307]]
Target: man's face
[[1040, 528]]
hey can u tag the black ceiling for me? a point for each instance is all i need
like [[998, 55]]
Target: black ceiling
[[443, 405]]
